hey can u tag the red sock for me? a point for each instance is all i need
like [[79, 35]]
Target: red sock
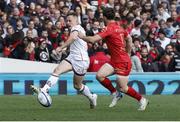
[[107, 84], [131, 92]]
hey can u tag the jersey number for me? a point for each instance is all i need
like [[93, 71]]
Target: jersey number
[[122, 38]]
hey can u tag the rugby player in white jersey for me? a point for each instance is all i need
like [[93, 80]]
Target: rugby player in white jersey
[[77, 61]]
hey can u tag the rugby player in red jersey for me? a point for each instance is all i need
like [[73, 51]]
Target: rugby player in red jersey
[[119, 44]]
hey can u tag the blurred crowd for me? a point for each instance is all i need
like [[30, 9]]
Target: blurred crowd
[[33, 29]]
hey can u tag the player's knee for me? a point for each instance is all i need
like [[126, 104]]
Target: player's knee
[[99, 77], [124, 89], [57, 71]]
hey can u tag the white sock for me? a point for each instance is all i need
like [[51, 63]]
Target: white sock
[[85, 91], [50, 82]]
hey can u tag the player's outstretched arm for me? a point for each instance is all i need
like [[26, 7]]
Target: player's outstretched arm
[[128, 44], [91, 39], [73, 36]]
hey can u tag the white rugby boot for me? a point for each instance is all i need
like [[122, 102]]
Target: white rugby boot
[[93, 101], [116, 97], [143, 104], [35, 89]]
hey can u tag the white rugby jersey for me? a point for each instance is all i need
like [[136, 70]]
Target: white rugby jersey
[[79, 47]]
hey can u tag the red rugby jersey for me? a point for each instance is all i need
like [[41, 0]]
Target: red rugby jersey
[[115, 35]]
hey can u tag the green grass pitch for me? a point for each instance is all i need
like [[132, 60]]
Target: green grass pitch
[[69, 108]]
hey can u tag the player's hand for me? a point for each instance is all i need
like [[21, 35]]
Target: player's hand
[[58, 49], [80, 35], [54, 52]]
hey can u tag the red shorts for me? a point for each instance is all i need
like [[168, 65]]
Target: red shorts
[[122, 68]]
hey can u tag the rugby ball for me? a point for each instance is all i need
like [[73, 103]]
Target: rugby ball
[[44, 99]]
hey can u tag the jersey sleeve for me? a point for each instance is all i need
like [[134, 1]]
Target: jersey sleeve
[[125, 33], [77, 29], [105, 33], [74, 29]]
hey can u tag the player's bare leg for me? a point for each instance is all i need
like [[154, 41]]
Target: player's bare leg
[[122, 81], [63, 67], [77, 80], [105, 71]]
